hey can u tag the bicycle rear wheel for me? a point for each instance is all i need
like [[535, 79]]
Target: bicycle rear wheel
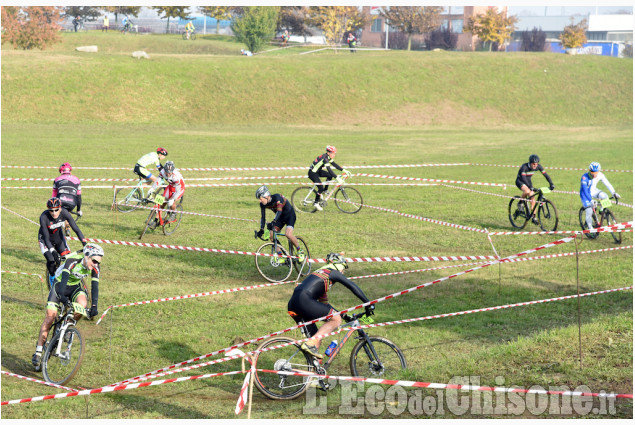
[[348, 200], [170, 227], [60, 369], [128, 200], [287, 359], [517, 210], [273, 268], [582, 218], [301, 267], [184, 35], [303, 199], [612, 221], [388, 362], [148, 221], [548, 216]]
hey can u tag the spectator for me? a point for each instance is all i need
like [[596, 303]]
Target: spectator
[[106, 24], [76, 21], [352, 41]]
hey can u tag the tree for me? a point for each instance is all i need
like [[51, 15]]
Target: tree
[[491, 27], [90, 13], [220, 13], [413, 19], [335, 21], [294, 19], [574, 35], [172, 12], [442, 39], [31, 27], [255, 26], [122, 10], [533, 41]]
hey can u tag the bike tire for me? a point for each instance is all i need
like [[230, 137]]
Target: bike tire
[[128, 200], [302, 268], [303, 199], [345, 194], [282, 387], [193, 36], [611, 221], [582, 218], [184, 35], [171, 226], [268, 267], [60, 371], [548, 216], [517, 218], [147, 225], [391, 360]]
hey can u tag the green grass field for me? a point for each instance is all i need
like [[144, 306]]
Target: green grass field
[[210, 107]]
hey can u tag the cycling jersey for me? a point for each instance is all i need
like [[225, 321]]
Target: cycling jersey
[[68, 279], [68, 188], [525, 173], [285, 214], [324, 161], [51, 233], [589, 189], [189, 26], [144, 162], [176, 185]]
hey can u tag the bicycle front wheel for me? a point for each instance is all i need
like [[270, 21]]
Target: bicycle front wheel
[[193, 36], [612, 221], [548, 216], [272, 267], [517, 211], [303, 199], [301, 267], [348, 200], [582, 217], [379, 359], [148, 221], [60, 368], [127, 200], [286, 359], [170, 227]]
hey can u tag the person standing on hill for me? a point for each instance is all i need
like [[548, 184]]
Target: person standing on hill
[[76, 22], [352, 41], [106, 24]]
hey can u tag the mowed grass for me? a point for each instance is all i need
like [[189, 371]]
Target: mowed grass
[[209, 109]]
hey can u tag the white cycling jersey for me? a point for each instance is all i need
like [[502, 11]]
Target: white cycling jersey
[[595, 192]]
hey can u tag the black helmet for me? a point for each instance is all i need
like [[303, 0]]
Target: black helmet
[[534, 159], [169, 167], [53, 203]]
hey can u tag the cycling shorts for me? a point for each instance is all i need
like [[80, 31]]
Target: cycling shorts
[[520, 184], [287, 219], [306, 308], [58, 242], [72, 292], [170, 193], [142, 172]]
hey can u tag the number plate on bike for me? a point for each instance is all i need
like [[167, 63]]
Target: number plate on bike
[[159, 199], [79, 309], [366, 320], [545, 190], [606, 203]]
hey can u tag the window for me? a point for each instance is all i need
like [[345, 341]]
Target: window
[[457, 25], [444, 24], [377, 25], [452, 10]]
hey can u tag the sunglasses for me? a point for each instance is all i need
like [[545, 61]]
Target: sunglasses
[[55, 210], [94, 261]]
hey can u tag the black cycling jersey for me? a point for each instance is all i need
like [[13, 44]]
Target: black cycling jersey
[[525, 173], [285, 214], [52, 229], [68, 189], [324, 162]]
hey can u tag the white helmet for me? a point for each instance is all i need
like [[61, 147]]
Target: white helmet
[[93, 250]]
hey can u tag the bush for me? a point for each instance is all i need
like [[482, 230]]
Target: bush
[[256, 26], [628, 51], [32, 27], [442, 39], [533, 41], [574, 35]]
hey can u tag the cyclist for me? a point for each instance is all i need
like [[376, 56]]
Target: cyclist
[[589, 190], [189, 29], [50, 236], [310, 301], [140, 168], [285, 38], [321, 167], [68, 286], [68, 189], [126, 24], [285, 215], [352, 41], [523, 180], [175, 189]]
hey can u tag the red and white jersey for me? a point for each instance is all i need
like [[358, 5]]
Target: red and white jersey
[[175, 180]]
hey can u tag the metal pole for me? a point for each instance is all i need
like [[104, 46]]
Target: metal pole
[[204, 24], [386, 25], [577, 263]]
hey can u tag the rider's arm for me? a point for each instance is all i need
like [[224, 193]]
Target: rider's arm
[[262, 216], [94, 286], [68, 217], [279, 207], [54, 193], [337, 276], [604, 180], [61, 289], [44, 222], [544, 173], [585, 191], [336, 166], [79, 202]]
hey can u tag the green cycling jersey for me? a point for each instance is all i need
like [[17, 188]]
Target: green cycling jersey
[[149, 159]]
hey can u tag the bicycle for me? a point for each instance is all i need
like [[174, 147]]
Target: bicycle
[[169, 225], [192, 35], [606, 218], [544, 209], [278, 265], [65, 349], [372, 356], [347, 199], [133, 199], [59, 260], [126, 28]]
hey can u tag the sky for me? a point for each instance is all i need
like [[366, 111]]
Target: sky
[[566, 10]]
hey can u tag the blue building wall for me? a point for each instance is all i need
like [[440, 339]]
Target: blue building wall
[[594, 48]]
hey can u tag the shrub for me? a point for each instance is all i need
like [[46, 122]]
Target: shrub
[[628, 51], [574, 35], [442, 39], [398, 40], [533, 41], [31, 27]]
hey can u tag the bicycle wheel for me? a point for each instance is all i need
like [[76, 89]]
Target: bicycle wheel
[[128, 200], [301, 267], [611, 221], [582, 218], [387, 364], [287, 359], [148, 221], [303, 199], [273, 268], [59, 369], [193, 36], [184, 35], [343, 198], [170, 227], [517, 210], [548, 216]]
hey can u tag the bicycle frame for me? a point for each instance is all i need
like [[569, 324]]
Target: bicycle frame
[[66, 320]]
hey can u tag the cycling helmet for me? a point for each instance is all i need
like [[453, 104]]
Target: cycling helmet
[[162, 151], [93, 250], [332, 149], [169, 167], [65, 168], [534, 159], [336, 259], [262, 191], [595, 166], [53, 203]]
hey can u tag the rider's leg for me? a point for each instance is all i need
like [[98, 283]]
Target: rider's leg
[[589, 218], [526, 194], [330, 326], [155, 184], [49, 318], [289, 234], [83, 301], [315, 178]]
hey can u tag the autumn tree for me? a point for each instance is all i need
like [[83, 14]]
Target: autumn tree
[[31, 27], [294, 19], [122, 10], [90, 13], [255, 26], [413, 19], [172, 12], [335, 21], [220, 13], [491, 27], [574, 35]]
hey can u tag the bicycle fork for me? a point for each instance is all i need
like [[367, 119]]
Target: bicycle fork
[[60, 341]]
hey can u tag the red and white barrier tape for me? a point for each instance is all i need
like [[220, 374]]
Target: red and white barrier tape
[[242, 398], [622, 227], [430, 180], [27, 274], [118, 388], [37, 381], [19, 215], [232, 185], [552, 168]]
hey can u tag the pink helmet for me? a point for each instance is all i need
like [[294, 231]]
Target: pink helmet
[[331, 149], [65, 168]]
